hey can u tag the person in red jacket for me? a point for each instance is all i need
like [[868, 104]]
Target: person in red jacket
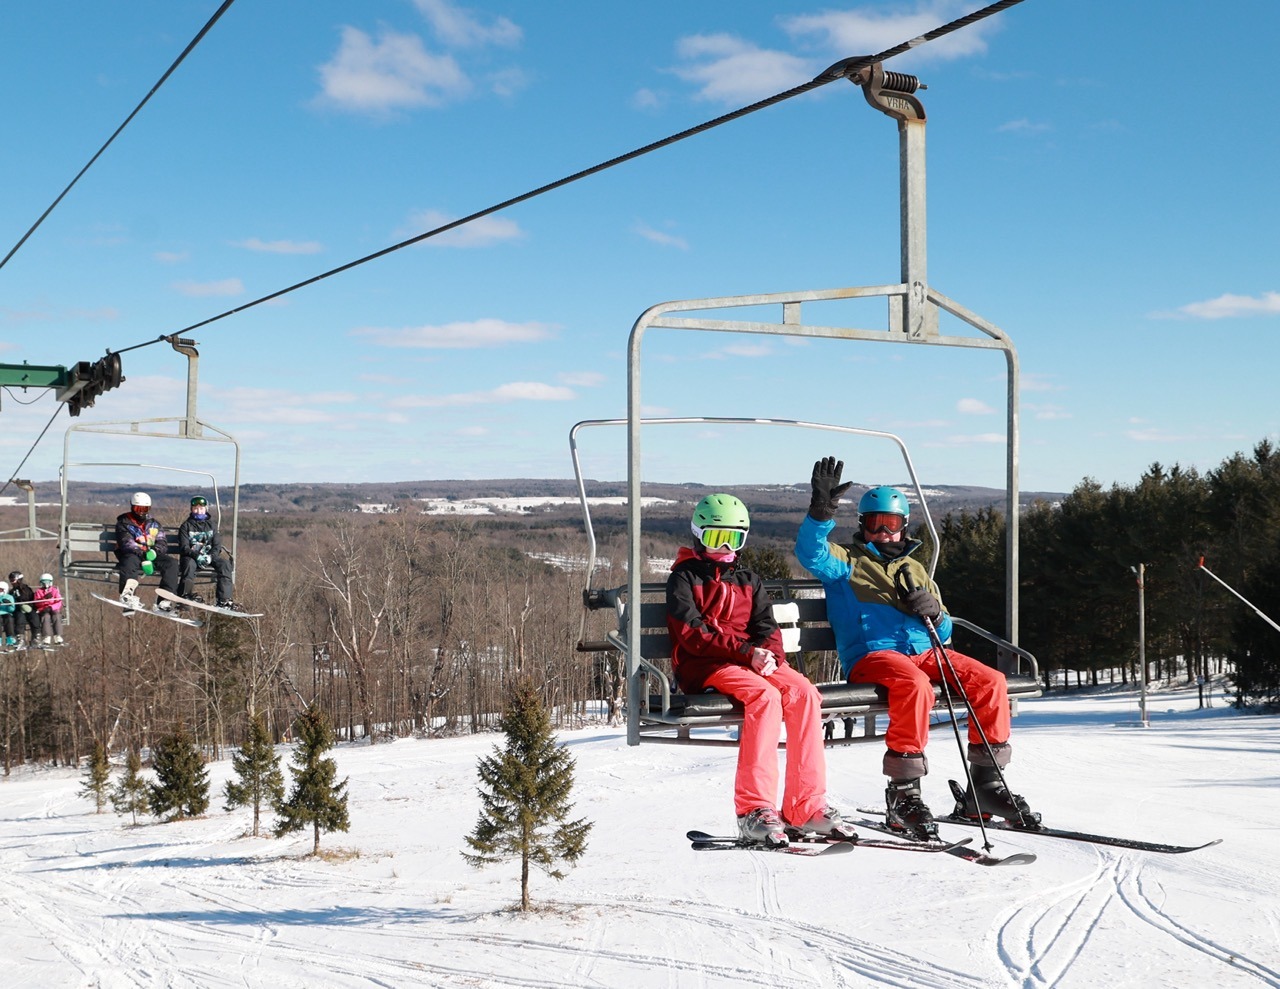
[[724, 638], [48, 605]]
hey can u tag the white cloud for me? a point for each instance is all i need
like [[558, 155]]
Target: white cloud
[[864, 31], [1229, 307], [727, 69], [480, 232], [1022, 126], [170, 257], [1048, 412], [977, 439], [658, 237], [228, 286], [280, 246], [516, 391], [391, 73], [973, 407], [646, 99], [1037, 382], [460, 335], [745, 350], [582, 379], [460, 28]]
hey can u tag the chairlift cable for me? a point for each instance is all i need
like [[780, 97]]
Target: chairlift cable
[[844, 69], [178, 61]]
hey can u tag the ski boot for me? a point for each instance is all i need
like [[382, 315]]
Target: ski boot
[[59, 640], [906, 812], [763, 826], [164, 606], [829, 823], [989, 797]]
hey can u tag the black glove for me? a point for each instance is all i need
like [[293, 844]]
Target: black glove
[[827, 489], [924, 604]]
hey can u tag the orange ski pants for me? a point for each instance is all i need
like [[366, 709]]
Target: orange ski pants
[[787, 697], [910, 681]]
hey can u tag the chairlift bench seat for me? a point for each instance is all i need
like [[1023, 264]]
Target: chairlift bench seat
[[800, 609], [89, 552]]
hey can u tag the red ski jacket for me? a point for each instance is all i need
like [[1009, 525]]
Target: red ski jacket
[[716, 614]]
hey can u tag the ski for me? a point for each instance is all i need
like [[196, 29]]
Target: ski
[[810, 839], [129, 612], [229, 612], [811, 849], [1096, 839], [959, 850]]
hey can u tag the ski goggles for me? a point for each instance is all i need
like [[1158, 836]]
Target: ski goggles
[[883, 522], [714, 538]]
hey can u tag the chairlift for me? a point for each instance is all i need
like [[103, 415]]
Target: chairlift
[[913, 311], [86, 550]]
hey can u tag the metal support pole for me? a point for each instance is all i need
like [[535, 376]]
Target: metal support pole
[[1141, 570]]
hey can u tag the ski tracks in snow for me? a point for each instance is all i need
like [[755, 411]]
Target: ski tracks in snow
[[1040, 940]]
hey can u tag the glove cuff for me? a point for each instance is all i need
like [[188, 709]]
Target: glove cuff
[[821, 510]]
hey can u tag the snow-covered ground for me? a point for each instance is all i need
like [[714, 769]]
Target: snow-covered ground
[[87, 901], [518, 506]]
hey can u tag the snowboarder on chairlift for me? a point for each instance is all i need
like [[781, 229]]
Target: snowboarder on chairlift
[[24, 616], [48, 605], [199, 545], [878, 596], [143, 550], [724, 638]]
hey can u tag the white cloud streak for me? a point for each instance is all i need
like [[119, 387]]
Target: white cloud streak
[[225, 287], [459, 28], [476, 334], [516, 391], [1230, 307], [727, 69], [480, 232], [280, 246]]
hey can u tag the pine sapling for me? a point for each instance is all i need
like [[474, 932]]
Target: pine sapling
[[258, 776], [316, 798], [131, 792], [524, 796], [182, 782], [97, 778]]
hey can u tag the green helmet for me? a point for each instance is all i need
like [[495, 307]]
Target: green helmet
[[889, 500], [721, 511]]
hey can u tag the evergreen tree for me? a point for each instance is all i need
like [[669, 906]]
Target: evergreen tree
[[130, 794], [182, 782], [768, 562], [257, 768], [525, 796], [316, 799], [96, 778]]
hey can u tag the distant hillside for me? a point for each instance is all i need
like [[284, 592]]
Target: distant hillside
[[771, 505]]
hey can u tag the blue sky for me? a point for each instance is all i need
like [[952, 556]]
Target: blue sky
[[1102, 196]]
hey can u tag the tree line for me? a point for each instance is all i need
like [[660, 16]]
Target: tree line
[[1080, 565]]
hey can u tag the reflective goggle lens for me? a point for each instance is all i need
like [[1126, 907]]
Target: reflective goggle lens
[[883, 522], [721, 538]]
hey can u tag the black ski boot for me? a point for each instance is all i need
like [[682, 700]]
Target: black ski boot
[[906, 812], [993, 800]]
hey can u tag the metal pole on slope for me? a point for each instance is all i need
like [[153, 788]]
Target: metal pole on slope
[[1253, 606], [1141, 570]]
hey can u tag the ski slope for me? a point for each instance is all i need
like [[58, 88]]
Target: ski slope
[[87, 901]]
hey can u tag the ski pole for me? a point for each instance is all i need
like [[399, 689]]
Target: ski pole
[[904, 581], [1256, 611]]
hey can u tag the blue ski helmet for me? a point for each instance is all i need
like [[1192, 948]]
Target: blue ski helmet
[[884, 499]]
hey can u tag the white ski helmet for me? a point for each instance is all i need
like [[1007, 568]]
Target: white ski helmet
[[4, 587], [46, 578], [140, 499]]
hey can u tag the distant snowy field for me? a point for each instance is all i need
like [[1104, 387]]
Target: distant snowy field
[[508, 506], [86, 901]]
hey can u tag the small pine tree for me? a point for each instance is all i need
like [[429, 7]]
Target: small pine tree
[[525, 796], [129, 796], [97, 778], [257, 768], [316, 799], [182, 782]]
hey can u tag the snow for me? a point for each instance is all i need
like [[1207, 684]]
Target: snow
[[521, 506], [88, 901]]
